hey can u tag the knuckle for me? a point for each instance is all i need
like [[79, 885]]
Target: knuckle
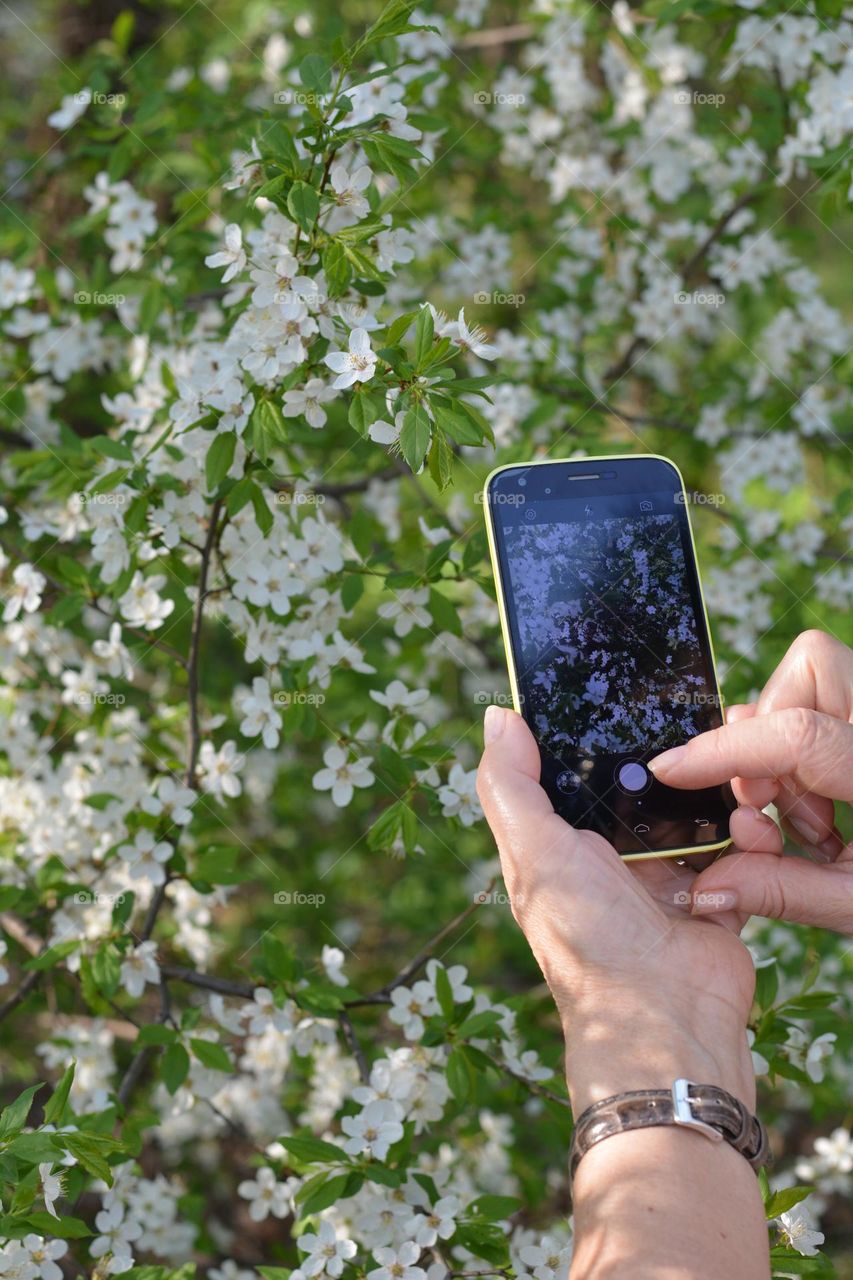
[[815, 645], [485, 780], [800, 727], [772, 900]]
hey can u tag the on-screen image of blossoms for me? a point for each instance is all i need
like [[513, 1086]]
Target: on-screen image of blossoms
[[611, 659]]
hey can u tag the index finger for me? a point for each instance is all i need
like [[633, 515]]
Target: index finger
[[815, 750]]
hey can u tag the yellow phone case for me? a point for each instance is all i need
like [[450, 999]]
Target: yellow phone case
[[510, 661]]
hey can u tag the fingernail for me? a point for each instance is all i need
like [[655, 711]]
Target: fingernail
[[756, 814], [803, 828], [707, 902], [494, 723], [667, 759]]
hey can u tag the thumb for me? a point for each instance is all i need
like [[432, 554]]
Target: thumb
[[779, 887], [508, 778]]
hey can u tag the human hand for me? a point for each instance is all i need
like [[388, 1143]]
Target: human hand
[[793, 747], [645, 991]]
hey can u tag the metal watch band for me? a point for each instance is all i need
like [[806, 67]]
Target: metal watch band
[[711, 1111]]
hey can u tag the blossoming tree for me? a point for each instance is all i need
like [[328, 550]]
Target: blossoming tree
[[277, 289]]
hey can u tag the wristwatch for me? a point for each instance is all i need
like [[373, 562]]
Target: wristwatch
[[705, 1108]]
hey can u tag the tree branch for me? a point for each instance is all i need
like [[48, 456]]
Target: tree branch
[[383, 995]]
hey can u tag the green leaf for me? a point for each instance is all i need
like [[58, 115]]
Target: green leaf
[[766, 985], [363, 412], [62, 1228], [109, 448], [156, 1033], [268, 428], [424, 333], [456, 423], [90, 1150], [352, 591], [219, 458], [445, 615], [414, 437], [34, 1148], [362, 263], [386, 827], [303, 205], [219, 865], [106, 968], [459, 1075], [319, 1193], [55, 1107], [14, 1117], [485, 1240], [53, 955], [781, 1201], [494, 1207], [336, 268], [123, 908], [444, 992], [398, 328], [212, 1055], [790, 1263], [151, 306], [175, 1067], [263, 516], [314, 1151], [440, 459], [239, 495], [315, 73], [486, 1020]]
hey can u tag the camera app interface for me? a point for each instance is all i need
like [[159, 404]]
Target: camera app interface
[[612, 660]]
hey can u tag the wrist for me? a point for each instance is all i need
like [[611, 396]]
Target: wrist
[[616, 1049]]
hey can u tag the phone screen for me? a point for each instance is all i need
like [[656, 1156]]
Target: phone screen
[[609, 641]]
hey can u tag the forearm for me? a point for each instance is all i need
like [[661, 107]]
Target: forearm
[[663, 1201], [667, 1204]]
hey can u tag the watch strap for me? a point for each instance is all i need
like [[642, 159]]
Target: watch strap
[[709, 1110]]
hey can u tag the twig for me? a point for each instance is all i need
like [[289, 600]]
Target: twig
[[623, 365], [208, 981], [497, 36], [383, 995], [19, 996], [693, 263], [134, 1073], [355, 1046], [195, 646]]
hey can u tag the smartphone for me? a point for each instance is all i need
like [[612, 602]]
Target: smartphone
[[607, 642]]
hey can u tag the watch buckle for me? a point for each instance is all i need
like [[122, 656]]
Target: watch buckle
[[682, 1111]]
